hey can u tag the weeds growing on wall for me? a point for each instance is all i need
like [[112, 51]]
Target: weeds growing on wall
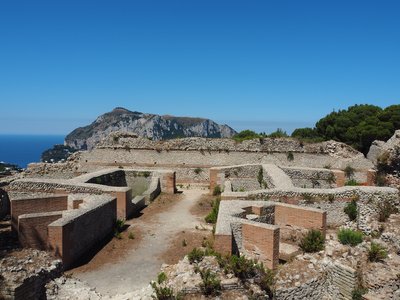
[[260, 176], [358, 293], [351, 182], [385, 209], [290, 156], [351, 210], [197, 171], [217, 190], [349, 172]]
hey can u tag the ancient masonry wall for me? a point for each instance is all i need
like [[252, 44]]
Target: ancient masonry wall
[[246, 178], [192, 165], [32, 229], [307, 218], [36, 205], [80, 230], [33, 286], [261, 241], [255, 238], [337, 282]]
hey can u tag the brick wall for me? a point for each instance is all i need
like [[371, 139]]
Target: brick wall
[[340, 178], [70, 240], [36, 205], [309, 218], [168, 182], [261, 241], [223, 244], [32, 229], [371, 175], [124, 200]]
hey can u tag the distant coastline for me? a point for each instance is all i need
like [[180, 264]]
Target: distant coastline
[[23, 149]]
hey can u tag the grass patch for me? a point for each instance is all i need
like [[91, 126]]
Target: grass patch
[[211, 218], [350, 237], [376, 252]]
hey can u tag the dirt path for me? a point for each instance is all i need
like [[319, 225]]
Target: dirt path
[[141, 265]]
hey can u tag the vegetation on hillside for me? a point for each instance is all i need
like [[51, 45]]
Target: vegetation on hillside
[[6, 168], [250, 135], [357, 126], [57, 153]]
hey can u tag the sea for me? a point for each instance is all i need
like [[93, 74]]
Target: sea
[[24, 149]]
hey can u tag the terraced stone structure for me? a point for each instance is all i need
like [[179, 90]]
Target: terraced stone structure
[[70, 217], [252, 228]]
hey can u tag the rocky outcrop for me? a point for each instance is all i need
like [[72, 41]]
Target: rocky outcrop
[[387, 151], [151, 126]]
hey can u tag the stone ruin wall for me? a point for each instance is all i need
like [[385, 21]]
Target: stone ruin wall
[[191, 158], [44, 222], [337, 282], [236, 234]]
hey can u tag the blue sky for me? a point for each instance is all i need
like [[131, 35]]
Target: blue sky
[[251, 64]]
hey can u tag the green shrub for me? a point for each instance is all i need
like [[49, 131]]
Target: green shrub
[[196, 255], [349, 172], [351, 210], [163, 293], [260, 176], [211, 218], [241, 266], [376, 252], [265, 279], [385, 209], [119, 225], [358, 293], [162, 277], [351, 182], [350, 237], [308, 198], [197, 171], [313, 241], [380, 179], [331, 178], [245, 135], [217, 190], [211, 285], [290, 156]]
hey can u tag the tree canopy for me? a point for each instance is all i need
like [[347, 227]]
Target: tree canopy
[[357, 126]]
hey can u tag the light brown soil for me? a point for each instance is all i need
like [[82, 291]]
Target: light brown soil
[[161, 225], [203, 206], [184, 243], [114, 251]]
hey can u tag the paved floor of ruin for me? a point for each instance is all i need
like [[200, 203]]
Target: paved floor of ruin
[[141, 265]]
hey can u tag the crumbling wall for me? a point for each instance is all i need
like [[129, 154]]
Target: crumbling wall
[[311, 290], [24, 277], [185, 158], [311, 177]]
